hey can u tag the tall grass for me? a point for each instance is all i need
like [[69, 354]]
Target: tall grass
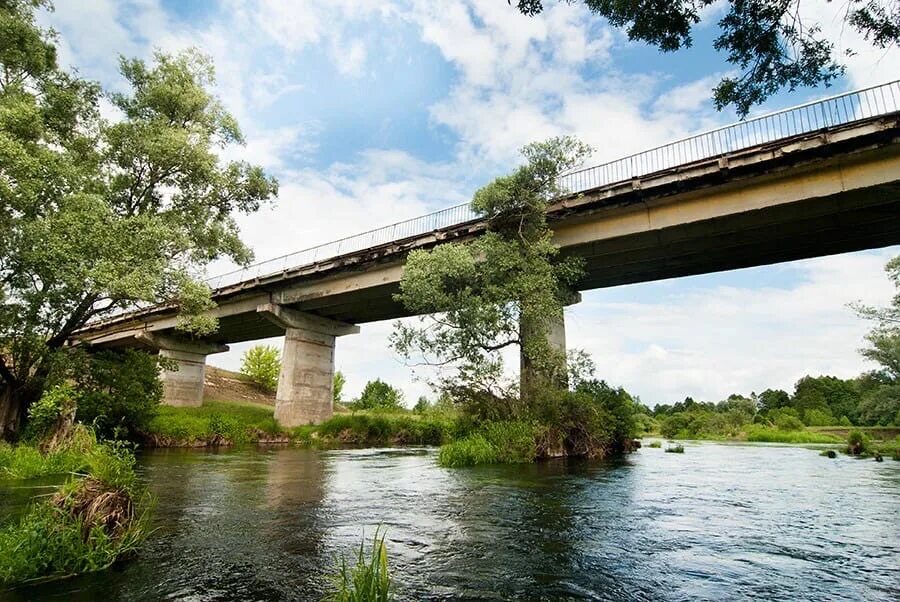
[[506, 442], [27, 462], [224, 421], [770, 435], [377, 428], [368, 580], [93, 520]]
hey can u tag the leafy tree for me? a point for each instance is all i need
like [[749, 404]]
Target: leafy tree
[[118, 392], [503, 289], [101, 216], [377, 394], [337, 386], [773, 399], [772, 42], [827, 394], [422, 405], [262, 365]]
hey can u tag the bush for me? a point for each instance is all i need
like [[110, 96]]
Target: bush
[[656, 444], [382, 428], [857, 443], [26, 461], [45, 412], [786, 422], [337, 386], [367, 581], [262, 365], [379, 394], [675, 449], [119, 393]]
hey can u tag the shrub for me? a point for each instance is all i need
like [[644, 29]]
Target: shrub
[[379, 394], [857, 443], [262, 365], [44, 413], [382, 428], [655, 444], [786, 422], [367, 581], [819, 417], [119, 393], [422, 405], [507, 442], [675, 449]]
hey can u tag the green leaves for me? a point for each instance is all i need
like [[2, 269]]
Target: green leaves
[[484, 296]]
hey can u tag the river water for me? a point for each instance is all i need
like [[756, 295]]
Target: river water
[[719, 522]]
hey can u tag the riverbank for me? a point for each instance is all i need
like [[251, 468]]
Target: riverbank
[[97, 516]]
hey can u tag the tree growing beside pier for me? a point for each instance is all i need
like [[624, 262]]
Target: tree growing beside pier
[[101, 215]]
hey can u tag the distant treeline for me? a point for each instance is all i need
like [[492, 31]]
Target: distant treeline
[[872, 399]]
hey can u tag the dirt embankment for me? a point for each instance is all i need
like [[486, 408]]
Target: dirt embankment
[[224, 385]]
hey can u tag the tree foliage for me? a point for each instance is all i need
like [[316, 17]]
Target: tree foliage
[[377, 394], [774, 43], [99, 215], [501, 290], [262, 365], [337, 386]]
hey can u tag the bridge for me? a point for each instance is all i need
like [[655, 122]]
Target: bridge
[[816, 179]]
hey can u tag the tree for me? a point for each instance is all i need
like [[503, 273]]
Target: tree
[[102, 216], [773, 399], [337, 386], [377, 394], [262, 365], [422, 405], [824, 398], [503, 289], [772, 42]]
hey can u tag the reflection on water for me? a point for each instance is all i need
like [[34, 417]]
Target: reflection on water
[[719, 522]]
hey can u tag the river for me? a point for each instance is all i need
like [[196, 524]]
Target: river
[[719, 522]]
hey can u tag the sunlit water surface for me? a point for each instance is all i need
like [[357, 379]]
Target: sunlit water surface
[[719, 522]]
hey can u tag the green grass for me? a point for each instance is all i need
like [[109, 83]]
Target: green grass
[[367, 581], [235, 422], [379, 428], [656, 444], [771, 435], [94, 519], [510, 442], [27, 462], [675, 449]]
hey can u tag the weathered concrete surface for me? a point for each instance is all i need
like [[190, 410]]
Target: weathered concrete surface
[[556, 337], [182, 386], [817, 194], [305, 383]]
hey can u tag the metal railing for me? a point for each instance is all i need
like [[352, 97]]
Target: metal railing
[[806, 118]]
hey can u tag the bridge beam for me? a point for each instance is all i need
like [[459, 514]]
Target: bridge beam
[[305, 393], [183, 385], [530, 381]]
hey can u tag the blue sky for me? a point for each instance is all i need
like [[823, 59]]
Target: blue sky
[[370, 112]]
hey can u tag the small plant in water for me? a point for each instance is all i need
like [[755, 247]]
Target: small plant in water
[[654, 444], [368, 580], [675, 449]]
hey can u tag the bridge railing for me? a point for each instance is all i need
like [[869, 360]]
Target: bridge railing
[[824, 113]]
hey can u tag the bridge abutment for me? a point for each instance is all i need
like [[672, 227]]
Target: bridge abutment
[[183, 385], [305, 384]]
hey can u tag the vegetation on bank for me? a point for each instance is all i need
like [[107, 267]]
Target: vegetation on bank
[[98, 516], [213, 423]]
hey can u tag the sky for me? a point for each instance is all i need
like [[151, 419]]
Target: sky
[[371, 112]]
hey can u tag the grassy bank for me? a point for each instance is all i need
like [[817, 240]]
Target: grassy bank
[[214, 423], [97, 517], [230, 423], [771, 435]]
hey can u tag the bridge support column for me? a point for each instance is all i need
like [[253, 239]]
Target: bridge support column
[[529, 378], [183, 385], [307, 365]]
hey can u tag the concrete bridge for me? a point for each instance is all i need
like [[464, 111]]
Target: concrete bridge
[[816, 179]]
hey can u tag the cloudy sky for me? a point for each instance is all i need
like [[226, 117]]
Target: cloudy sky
[[370, 112]]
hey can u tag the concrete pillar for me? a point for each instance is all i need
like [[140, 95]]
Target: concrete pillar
[[556, 337], [183, 383], [307, 365]]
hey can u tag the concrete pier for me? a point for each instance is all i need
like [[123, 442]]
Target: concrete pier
[[529, 379], [183, 385], [305, 384]]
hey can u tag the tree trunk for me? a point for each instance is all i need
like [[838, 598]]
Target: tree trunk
[[12, 412]]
